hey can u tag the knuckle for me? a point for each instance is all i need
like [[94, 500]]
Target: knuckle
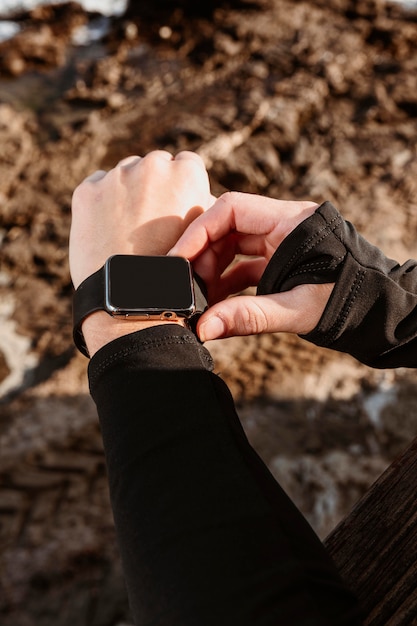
[[229, 197], [151, 157], [157, 156], [235, 197], [190, 165]]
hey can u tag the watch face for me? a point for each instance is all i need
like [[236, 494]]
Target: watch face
[[136, 284]]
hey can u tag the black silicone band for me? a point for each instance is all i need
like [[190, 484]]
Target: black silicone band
[[88, 298]]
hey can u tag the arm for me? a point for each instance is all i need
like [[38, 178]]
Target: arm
[[372, 312], [206, 534]]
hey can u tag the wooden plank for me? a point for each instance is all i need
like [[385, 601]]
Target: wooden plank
[[375, 546]]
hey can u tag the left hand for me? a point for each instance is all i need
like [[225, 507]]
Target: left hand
[[142, 206]]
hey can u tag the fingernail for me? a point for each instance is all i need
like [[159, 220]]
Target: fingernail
[[213, 328]]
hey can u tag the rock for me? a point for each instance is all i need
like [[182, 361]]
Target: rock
[[44, 41]]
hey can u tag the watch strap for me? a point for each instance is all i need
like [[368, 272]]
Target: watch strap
[[87, 298], [201, 301]]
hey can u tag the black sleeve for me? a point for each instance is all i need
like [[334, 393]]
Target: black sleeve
[[207, 536], [372, 312]]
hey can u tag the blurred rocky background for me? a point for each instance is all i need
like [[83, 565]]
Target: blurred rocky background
[[310, 99]]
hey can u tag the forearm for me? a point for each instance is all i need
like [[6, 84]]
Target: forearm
[[206, 534], [372, 311]]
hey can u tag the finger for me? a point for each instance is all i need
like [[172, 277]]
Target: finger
[[252, 245], [244, 213], [211, 264], [234, 243], [228, 278], [296, 311], [187, 155], [223, 277], [197, 236], [191, 165], [238, 316], [242, 275]]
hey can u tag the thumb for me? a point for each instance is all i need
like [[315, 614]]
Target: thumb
[[296, 311]]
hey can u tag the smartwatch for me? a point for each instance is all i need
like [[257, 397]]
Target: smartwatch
[[140, 288]]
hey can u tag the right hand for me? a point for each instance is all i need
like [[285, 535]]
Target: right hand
[[253, 226]]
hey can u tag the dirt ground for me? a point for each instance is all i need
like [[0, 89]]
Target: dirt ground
[[314, 100]]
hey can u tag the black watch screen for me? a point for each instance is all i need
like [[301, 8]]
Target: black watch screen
[[143, 283]]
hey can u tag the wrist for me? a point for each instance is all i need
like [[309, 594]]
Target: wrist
[[100, 328]]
